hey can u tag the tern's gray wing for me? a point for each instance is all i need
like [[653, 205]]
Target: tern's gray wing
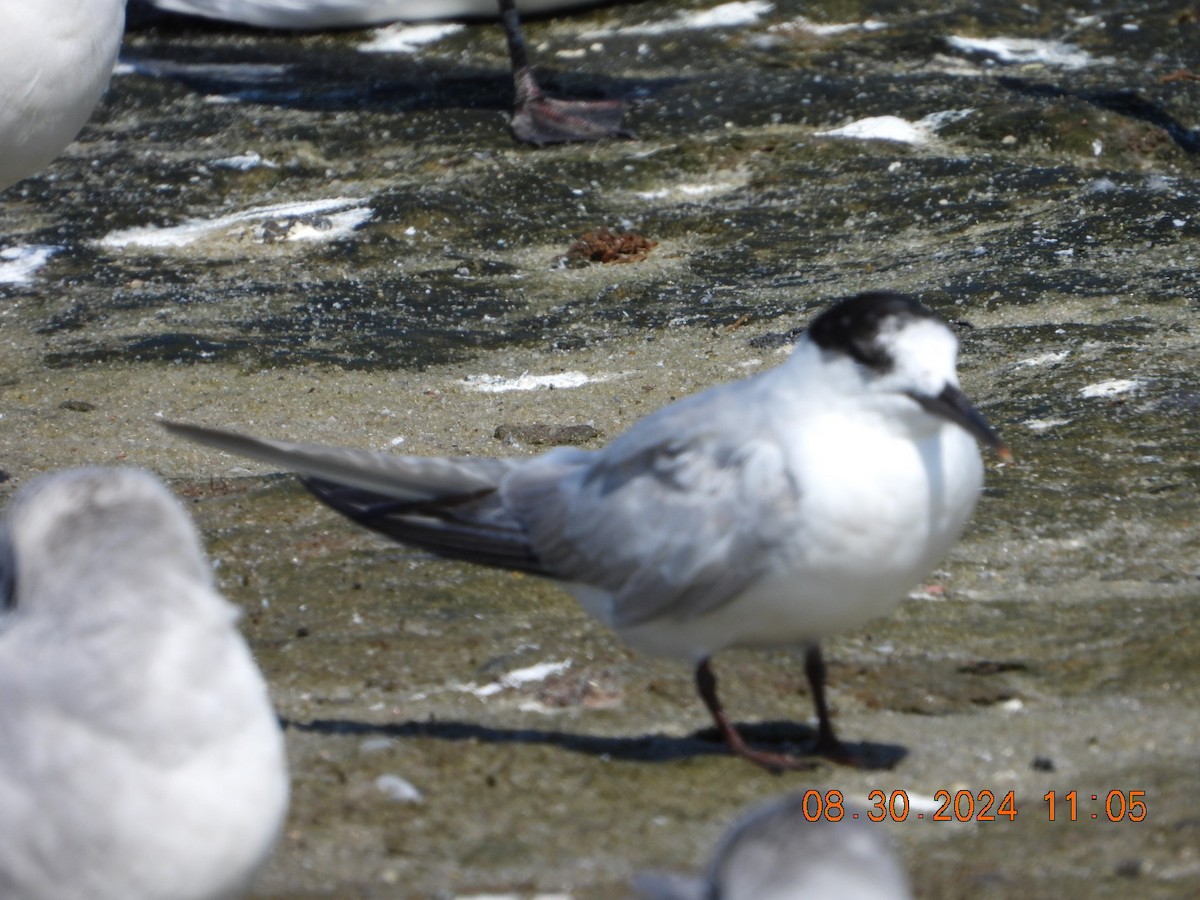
[[673, 527], [668, 526], [446, 505]]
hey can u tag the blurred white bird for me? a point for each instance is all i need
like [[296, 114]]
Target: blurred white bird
[[537, 118], [785, 849], [56, 58], [772, 511], [140, 757], [318, 14]]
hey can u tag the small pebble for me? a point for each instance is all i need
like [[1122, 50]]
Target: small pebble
[[541, 433], [398, 789]]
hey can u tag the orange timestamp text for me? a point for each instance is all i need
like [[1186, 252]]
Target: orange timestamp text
[[973, 806]]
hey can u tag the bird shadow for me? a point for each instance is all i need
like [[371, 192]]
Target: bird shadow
[[786, 737], [386, 86], [334, 77], [1123, 101]]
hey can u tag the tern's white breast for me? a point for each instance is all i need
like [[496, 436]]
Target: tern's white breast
[[877, 511]]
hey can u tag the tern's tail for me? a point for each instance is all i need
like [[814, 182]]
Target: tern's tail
[[447, 505]]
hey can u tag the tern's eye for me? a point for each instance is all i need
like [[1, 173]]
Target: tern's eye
[[872, 354]]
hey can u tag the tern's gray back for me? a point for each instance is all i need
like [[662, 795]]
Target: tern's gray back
[[676, 516]]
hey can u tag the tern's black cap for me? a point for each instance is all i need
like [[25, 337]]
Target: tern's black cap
[[852, 326]]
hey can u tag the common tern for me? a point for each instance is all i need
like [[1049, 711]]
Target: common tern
[[772, 511]]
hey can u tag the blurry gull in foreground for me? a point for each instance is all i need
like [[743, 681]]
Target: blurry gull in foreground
[[140, 756], [56, 57], [772, 511], [537, 118], [780, 851]]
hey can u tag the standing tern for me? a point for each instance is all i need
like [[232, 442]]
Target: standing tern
[[140, 756], [772, 511]]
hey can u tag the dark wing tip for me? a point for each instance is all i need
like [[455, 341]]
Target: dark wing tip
[[446, 527]]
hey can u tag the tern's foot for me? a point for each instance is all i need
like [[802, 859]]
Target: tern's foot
[[828, 750], [776, 763], [546, 120], [538, 119]]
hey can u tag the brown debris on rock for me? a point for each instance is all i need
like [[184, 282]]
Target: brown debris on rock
[[604, 246]]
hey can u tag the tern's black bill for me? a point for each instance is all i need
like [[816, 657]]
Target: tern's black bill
[[952, 404]]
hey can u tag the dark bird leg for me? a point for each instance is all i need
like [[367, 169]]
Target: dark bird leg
[[538, 119], [828, 744], [774, 763]]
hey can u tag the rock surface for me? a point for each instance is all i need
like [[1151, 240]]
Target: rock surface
[[284, 234]]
